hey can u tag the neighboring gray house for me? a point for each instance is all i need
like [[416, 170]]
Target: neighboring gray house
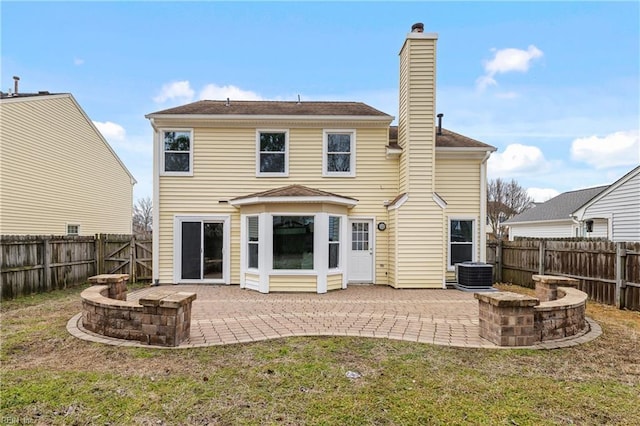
[[610, 211]]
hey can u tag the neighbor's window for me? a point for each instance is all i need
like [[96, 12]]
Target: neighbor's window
[[252, 241], [293, 242], [177, 152], [460, 241], [73, 229], [272, 153], [339, 153], [334, 242]]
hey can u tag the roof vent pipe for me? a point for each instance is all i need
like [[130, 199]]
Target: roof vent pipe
[[228, 103], [418, 27], [16, 79], [440, 123]]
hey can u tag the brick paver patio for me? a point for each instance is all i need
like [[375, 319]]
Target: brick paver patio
[[224, 315]]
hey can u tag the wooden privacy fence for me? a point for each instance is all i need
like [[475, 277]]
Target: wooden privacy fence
[[37, 264], [608, 272]]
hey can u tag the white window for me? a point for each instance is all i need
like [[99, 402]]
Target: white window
[[339, 153], [177, 152], [334, 242], [272, 148], [73, 229], [253, 241], [461, 241], [293, 242]]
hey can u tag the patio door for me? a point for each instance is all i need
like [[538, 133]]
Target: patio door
[[361, 254], [202, 251]]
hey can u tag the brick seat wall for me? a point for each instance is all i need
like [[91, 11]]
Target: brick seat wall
[[161, 317]]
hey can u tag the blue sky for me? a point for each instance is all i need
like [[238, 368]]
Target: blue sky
[[554, 86]]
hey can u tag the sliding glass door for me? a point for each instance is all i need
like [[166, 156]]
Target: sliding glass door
[[202, 250]]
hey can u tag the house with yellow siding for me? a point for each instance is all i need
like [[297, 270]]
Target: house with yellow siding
[[58, 175], [317, 196]]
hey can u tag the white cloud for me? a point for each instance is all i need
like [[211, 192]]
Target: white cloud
[[540, 195], [517, 160], [78, 61], [111, 131], [213, 91], [507, 60], [177, 90], [507, 95], [615, 149]]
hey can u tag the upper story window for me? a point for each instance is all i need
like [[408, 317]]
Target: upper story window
[[272, 153], [177, 152], [339, 153]]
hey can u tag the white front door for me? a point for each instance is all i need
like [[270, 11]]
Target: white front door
[[361, 251]]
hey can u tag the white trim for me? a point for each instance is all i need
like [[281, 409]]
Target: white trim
[[160, 139], [399, 203], [177, 244], [483, 208], [286, 153], [321, 250], [296, 118], [155, 236], [439, 201], [474, 242], [349, 202], [352, 153]]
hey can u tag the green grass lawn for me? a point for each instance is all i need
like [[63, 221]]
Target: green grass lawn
[[50, 377]]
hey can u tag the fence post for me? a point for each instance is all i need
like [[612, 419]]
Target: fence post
[[46, 264], [132, 259], [499, 261], [541, 248], [621, 257]]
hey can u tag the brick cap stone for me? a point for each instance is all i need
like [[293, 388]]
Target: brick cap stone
[[556, 279], [572, 298], [107, 278], [178, 299], [167, 298], [507, 299]]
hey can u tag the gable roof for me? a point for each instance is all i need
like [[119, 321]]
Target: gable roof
[[559, 207], [273, 108], [293, 194], [35, 97], [447, 139], [627, 177]]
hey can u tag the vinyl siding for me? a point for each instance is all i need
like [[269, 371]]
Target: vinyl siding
[[563, 229], [56, 169], [419, 256], [622, 205], [459, 185], [334, 282], [225, 168], [297, 283]]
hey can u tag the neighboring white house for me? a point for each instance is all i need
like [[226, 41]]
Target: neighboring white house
[[619, 206], [58, 175], [611, 212]]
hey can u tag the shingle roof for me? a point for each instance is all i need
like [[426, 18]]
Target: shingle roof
[[559, 207], [207, 107], [4, 95], [447, 139], [292, 191]]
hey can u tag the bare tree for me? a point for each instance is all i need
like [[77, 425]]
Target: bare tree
[[143, 216], [505, 200]]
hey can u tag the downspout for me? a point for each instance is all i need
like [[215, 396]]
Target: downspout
[[483, 207], [155, 235]]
